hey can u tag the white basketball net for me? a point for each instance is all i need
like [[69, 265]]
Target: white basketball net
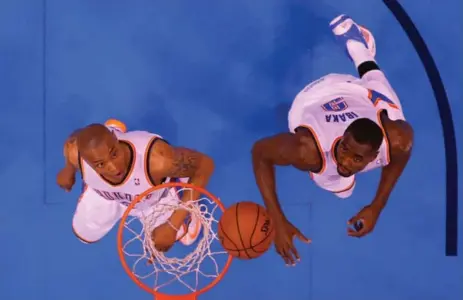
[[144, 266]]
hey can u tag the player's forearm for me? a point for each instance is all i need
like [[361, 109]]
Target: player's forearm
[[69, 164], [264, 173], [70, 168], [70, 152], [199, 178], [390, 174]]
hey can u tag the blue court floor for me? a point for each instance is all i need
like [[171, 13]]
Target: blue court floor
[[216, 76]]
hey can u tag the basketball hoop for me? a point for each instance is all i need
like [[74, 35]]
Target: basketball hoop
[[148, 267]]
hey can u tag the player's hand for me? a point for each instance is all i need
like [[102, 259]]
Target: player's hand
[[364, 222], [284, 241], [164, 237], [66, 179]]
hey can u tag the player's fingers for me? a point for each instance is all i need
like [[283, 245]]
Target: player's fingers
[[350, 231], [358, 225], [290, 261], [353, 220], [295, 253], [303, 238], [282, 252], [355, 233]]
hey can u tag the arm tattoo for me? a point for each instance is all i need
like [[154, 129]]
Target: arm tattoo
[[185, 163]]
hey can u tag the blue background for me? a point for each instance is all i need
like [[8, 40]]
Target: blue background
[[216, 76]]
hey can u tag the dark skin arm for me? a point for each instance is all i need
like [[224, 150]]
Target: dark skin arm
[[70, 151], [285, 149], [400, 135], [66, 177], [179, 162], [401, 139]]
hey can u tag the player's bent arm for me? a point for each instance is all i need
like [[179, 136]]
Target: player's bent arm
[[66, 176], [70, 152], [298, 150], [401, 144], [179, 162]]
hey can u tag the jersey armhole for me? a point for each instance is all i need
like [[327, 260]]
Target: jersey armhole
[[148, 150], [386, 137], [317, 144]]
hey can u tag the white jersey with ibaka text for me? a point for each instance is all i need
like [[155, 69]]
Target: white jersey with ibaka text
[[328, 106], [137, 179]]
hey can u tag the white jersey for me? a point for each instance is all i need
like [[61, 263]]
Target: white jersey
[[329, 105], [137, 179]]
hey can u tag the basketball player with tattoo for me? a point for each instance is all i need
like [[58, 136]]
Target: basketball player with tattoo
[[116, 166], [339, 125]]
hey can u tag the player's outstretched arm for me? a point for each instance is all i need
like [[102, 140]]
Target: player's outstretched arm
[[66, 177], [297, 150], [401, 143], [179, 162], [285, 149]]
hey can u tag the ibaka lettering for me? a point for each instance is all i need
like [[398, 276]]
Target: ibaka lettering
[[344, 117], [123, 198]]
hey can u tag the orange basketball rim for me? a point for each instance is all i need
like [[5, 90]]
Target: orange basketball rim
[[148, 210]]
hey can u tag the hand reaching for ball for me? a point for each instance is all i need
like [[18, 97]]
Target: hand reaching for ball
[[284, 241], [246, 231]]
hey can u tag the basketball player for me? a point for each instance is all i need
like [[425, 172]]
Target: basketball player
[[339, 125], [116, 166]]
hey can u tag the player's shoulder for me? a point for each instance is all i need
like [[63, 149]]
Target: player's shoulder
[[307, 138], [142, 141], [302, 136], [137, 136], [400, 135]]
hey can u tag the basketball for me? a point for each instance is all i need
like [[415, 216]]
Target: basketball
[[245, 230]]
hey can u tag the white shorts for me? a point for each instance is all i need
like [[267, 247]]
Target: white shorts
[[95, 216]]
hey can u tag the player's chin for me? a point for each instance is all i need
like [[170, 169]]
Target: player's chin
[[344, 173]]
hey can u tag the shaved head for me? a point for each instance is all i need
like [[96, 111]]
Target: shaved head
[[93, 136]]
